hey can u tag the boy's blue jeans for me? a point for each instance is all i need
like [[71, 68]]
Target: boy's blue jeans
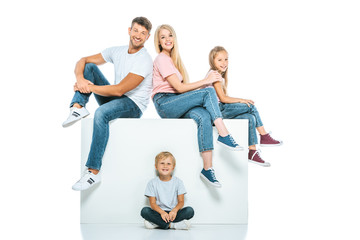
[[243, 111], [110, 108], [152, 216], [200, 105]]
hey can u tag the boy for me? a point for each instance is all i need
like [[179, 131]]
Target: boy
[[166, 197]]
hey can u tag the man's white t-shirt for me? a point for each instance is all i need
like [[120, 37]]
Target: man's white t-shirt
[[139, 63], [166, 193]]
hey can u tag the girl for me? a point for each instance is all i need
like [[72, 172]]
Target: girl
[[175, 97], [239, 108]]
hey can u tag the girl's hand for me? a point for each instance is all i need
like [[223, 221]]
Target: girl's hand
[[172, 215], [165, 216], [212, 77], [247, 101]]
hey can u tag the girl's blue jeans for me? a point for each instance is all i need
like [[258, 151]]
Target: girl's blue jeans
[[243, 111], [200, 105], [110, 108]]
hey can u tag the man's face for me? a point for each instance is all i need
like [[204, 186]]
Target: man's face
[[138, 35]]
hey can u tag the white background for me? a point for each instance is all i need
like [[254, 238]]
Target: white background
[[298, 60]]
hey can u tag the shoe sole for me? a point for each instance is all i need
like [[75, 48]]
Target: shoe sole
[[73, 122], [231, 148], [208, 181], [265, 164], [271, 145]]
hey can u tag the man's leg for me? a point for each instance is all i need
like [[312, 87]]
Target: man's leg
[[122, 107]]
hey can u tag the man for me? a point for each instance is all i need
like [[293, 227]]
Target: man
[[127, 98]]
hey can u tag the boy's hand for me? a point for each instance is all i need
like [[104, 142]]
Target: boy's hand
[[172, 215], [165, 216]]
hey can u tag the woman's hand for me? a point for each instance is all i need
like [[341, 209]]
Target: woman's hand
[[212, 77], [247, 101]]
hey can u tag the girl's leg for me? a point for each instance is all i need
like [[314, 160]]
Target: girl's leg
[[152, 216]]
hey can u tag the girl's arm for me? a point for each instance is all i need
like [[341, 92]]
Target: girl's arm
[[226, 99], [185, 87], [164, 215], [179, 206]]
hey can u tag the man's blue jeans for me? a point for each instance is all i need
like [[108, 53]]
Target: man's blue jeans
[[243, 111], [152, 216], [200, 105], [110, 108]]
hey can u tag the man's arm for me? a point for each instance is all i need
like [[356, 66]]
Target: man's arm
[[130, 82], [81, 83]]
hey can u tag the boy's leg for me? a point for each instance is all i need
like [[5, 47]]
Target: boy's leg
[[185, 213], [154, 217]]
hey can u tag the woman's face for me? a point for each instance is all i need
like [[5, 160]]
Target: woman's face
[[221, 61], [166, 40]]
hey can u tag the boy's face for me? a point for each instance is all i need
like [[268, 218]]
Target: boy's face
[[165, 166]]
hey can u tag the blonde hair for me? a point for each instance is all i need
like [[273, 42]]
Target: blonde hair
[[164, 155], [174, 54], [212, 55]]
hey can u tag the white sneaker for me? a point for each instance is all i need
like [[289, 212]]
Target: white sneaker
[[150, 225], [182, 225], [75, 115], [87, 181]]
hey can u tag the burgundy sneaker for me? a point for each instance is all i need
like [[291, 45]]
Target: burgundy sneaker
[[254, 157], [267, 141]]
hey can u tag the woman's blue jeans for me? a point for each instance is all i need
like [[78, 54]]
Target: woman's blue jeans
[[110, 108], [243, 111], [200, 105], [152, 216]]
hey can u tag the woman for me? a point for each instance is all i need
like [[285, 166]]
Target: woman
[[175, 97]]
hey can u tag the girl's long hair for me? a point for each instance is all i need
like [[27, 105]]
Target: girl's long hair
[[174, 54], [212, 56]]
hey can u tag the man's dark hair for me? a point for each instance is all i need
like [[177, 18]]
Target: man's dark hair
[[143, 21]]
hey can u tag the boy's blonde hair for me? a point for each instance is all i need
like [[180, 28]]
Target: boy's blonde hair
[[164, 155], [174, 54], [212, 56]]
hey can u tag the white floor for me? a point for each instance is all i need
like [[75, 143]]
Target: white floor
[[136, 231]]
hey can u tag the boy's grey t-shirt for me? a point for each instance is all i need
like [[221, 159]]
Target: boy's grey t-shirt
[[165, 192], [139, 63]]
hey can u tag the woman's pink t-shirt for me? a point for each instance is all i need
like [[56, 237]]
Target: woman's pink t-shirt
[[162, 68]]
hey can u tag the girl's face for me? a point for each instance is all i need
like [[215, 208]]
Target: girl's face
[[221, 61], [165, 166], [166, 40]]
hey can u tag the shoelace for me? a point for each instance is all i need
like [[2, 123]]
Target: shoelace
[[258, 151], [212, 173], [232, 140]]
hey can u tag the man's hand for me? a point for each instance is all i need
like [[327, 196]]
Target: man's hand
[[83, 86]]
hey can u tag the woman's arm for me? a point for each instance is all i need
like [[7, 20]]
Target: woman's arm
[[179, 206], [226, 99], [164, 215], [185, 87]]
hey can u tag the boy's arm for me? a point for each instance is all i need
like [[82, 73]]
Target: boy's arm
[[155, 207], [180, 204]]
